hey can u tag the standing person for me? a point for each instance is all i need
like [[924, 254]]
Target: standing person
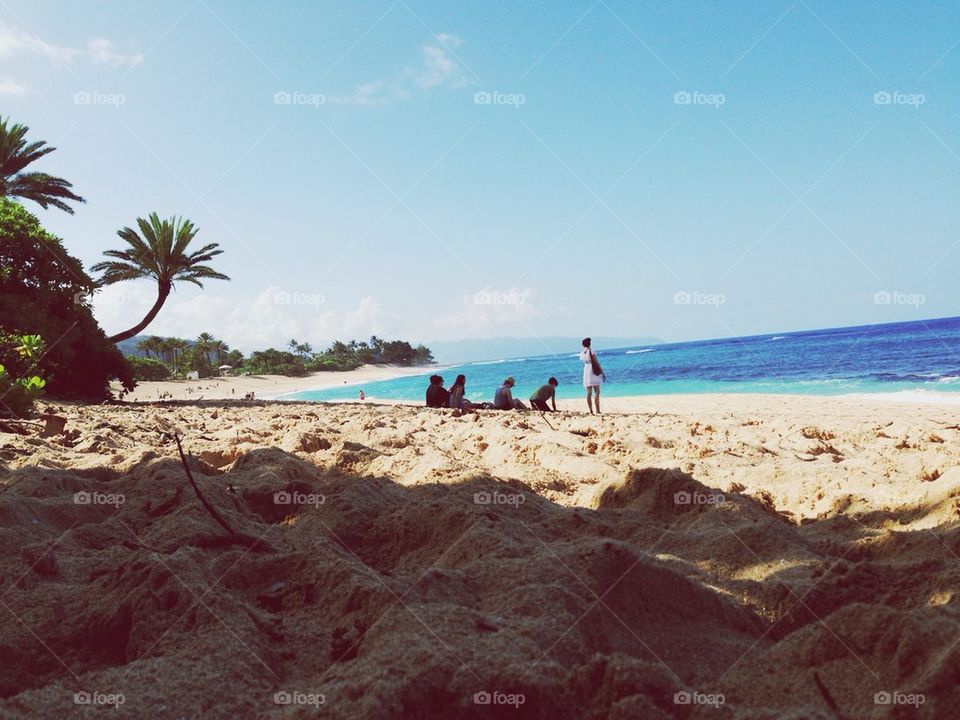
[[503, 399], [363, 395], [456, 391], [545, 392], [437, 395], [593, 375]]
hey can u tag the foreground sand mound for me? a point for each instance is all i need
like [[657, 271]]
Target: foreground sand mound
[[668, 598]]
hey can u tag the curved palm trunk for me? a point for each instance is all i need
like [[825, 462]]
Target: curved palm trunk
[[163, 290]]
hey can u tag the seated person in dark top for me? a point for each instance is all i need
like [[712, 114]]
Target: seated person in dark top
[[437, 395], [545, 392], [503, 398]]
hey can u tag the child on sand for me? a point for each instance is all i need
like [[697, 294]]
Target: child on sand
[[543, 393]]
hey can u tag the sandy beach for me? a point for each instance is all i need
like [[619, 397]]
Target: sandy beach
[[264, 387], [711, 556]]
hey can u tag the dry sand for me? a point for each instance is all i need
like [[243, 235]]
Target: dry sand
[[265, 387], [699, 557]]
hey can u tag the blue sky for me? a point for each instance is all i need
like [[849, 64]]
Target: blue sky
[[438, 170]]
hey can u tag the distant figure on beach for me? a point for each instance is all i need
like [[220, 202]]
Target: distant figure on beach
[[503, 399], [457, 401], [593, 375], [437, 395], [543, 393], [362, 395]]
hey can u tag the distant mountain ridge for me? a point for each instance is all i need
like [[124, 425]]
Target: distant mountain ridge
[[449, 352]]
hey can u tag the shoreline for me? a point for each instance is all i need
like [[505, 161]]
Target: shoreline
[[265, 387]]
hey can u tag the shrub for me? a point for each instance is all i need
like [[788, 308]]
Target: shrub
[[44, 290], [148, 369]]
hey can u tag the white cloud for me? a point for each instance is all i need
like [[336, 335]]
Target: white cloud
[[490, 307], [101, 51], [270, 319], [12, 88], [440, 66], [14, 41]]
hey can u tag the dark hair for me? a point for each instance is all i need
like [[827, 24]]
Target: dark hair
[[434, 379], [461, 381], [586, 342], [553, 381]]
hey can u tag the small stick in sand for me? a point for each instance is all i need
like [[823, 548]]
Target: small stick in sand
[[546, 421]]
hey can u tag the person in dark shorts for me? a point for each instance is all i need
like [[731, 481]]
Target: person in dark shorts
[[544, 393]]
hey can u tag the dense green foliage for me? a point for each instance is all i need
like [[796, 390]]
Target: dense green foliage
[[149, 369], [274, 362], [45, 291], [17, 394], [348, 356]]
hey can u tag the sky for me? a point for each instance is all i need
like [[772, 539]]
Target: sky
[[442, 170]]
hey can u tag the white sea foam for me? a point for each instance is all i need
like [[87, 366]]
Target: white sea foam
[[635, 352]]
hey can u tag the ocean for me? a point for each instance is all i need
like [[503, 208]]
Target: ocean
[[918, 359]]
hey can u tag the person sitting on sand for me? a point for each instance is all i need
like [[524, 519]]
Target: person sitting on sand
[[503, 399], [457, 401], [593, 374], [437, 395], [543, 393]]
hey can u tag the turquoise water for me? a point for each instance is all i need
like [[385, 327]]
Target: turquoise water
[[920, 358]]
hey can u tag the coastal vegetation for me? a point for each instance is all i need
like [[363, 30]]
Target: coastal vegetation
[[206, 355]]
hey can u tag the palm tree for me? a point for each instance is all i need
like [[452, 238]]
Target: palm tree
[[221, 349], [150, 344], [293, 344], [205, 343], [158, 251], [15, 154], [175, 345]]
